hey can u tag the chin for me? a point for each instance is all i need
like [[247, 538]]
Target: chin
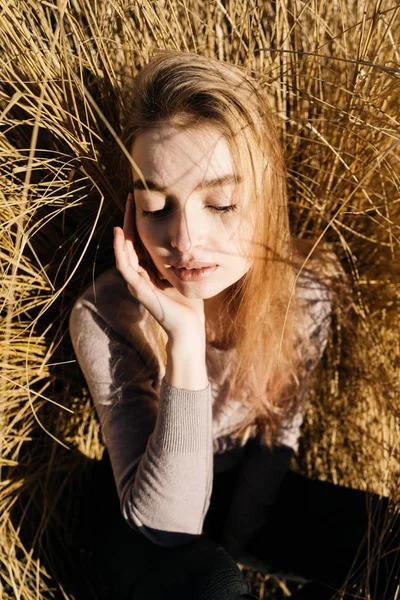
[[198, 293]]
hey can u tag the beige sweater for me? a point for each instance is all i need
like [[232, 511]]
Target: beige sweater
[[166, 443]]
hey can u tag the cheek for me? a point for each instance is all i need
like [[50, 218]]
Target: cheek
[[147, 235], [241, 238]]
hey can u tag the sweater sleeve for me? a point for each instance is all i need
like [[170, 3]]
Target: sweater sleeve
[[159, 441]]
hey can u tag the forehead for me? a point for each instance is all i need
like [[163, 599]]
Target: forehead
[[176, 155]]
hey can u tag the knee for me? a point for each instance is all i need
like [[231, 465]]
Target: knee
[[199, 571], [216, 576]]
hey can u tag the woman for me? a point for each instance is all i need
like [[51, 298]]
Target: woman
[[198, 350]]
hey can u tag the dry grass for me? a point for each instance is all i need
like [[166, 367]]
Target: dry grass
[[332, 69]]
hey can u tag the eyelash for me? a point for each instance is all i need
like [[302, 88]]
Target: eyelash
[[218, 209]]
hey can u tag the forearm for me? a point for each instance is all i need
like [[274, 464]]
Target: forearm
[[183, 419], [172, 486], [258, 484]]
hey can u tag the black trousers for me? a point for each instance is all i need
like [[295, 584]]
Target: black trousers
[[333, 537], [344, 542]]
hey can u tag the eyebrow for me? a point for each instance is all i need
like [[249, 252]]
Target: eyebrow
[[203, 185]]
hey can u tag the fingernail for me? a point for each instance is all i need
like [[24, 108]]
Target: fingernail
[[130, 197]]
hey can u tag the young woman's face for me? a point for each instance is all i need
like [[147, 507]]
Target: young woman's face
[[195, 194]]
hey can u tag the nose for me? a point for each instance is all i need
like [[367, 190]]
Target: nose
[[186, 231]]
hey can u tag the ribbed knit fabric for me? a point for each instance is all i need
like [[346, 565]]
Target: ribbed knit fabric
[[230, 585], [184, 419]]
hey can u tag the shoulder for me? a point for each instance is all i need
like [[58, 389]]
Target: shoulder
[[316, 294], [321, 284], [108, 301], [314, 297]]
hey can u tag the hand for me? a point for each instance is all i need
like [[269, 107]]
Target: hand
[[176, 314]]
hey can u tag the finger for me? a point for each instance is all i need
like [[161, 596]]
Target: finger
[[121, 257], [131, 274], [129, 232], [128, 217]]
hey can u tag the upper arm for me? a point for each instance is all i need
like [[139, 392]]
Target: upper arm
[[259, 479], [121, 387], [315, 299]]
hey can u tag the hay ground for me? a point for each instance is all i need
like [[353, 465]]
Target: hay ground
[[332, 72]]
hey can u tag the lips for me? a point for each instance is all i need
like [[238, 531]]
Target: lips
[[195, 264], [194, 274], [193, 268]]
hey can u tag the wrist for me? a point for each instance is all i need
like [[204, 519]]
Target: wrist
[[188, 342], [186, 364]]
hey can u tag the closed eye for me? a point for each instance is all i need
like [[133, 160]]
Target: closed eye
[[160, 213]]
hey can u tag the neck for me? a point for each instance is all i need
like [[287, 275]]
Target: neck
[[216, 321]]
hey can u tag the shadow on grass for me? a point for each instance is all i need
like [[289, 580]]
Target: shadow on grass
[[56, 515]]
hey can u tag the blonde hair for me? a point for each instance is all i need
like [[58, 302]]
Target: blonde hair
[[262, 311]]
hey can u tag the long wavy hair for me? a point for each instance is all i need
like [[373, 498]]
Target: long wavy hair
[[263, 314]]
